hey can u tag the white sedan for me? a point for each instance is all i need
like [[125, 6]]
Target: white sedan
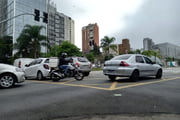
[[131, 65], [9, 75]]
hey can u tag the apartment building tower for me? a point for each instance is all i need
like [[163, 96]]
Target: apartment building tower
[[124, 48], [19, 13], [60, 27], [148, 44], [90, 37]]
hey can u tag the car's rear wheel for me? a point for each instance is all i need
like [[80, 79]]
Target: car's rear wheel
[[112, 77], [159, 74], [135, 76], [7, 80], [40, 75]]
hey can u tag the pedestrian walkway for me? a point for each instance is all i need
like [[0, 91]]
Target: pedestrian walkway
[[171, 70]]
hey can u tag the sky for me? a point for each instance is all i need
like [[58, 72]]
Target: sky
[[132, 19]]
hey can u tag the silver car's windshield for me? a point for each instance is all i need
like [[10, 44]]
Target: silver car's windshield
[[122, 57], [81, 59]]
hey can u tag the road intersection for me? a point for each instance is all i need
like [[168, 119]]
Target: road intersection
[[98, 81]]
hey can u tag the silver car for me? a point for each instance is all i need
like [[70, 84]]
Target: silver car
[[83, 63], [131, 65], [9, 75]]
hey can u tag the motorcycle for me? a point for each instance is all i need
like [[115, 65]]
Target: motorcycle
[[57, 74]]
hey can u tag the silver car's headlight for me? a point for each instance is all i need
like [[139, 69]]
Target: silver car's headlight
[[19, 70]]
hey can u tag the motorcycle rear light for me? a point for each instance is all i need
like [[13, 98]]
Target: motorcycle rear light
[[90, 65], [123, 63], [46, 66]]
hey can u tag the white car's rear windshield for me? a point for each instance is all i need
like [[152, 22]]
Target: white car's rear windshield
[[122, 57]]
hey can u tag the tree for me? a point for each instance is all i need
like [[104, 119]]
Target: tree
[[131, 52], [138, 51], [30, 41], [65, 47], [96, 50], [150, 53], [6, 47], [90, 56], [106, 44]]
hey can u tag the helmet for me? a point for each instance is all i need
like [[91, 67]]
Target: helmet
[[64, 54]]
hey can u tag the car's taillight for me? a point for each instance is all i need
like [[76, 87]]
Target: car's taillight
[[123, 63], [46, 66], [90, 65], [77, 65]]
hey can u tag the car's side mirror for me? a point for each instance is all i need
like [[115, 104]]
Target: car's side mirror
[[26, 65]]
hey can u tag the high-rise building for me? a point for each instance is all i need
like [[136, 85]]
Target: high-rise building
[[3, 16], [60, 27], [124, 48], [23, 11], [90, 37], [148, 44]]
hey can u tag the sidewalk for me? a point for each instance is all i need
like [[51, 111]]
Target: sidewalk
[[171, 70]]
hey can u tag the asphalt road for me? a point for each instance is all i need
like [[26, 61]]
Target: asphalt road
[[94, 98]]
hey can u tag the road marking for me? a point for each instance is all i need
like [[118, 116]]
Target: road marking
[[87, 86], [67, 81], [112, 85], [117, 95], [140, 84]]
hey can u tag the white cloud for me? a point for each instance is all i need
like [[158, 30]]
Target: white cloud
[[110, 15]]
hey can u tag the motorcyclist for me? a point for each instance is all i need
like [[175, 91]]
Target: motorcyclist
[[63, 63]]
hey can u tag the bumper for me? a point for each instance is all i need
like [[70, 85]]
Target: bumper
[[121, 72], [20, 77], [46, 73]]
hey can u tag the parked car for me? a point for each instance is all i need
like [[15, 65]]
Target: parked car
[[21, 62], [84, 64], [9, 75], [38, 69], [131, 65]]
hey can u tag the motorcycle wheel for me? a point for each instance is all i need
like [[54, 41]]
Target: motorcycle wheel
[[79, 76], [54, 77]]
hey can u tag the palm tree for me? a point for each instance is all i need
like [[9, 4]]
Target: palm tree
[[30, 41], [106, 44]]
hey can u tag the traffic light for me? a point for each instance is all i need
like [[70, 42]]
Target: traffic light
[[37, 15], [45, 17]]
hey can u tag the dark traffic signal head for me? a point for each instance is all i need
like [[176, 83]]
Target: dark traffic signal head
[[45, 17], [37, 15]]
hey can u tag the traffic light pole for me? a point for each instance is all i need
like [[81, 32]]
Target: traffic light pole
[[16, 17]]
